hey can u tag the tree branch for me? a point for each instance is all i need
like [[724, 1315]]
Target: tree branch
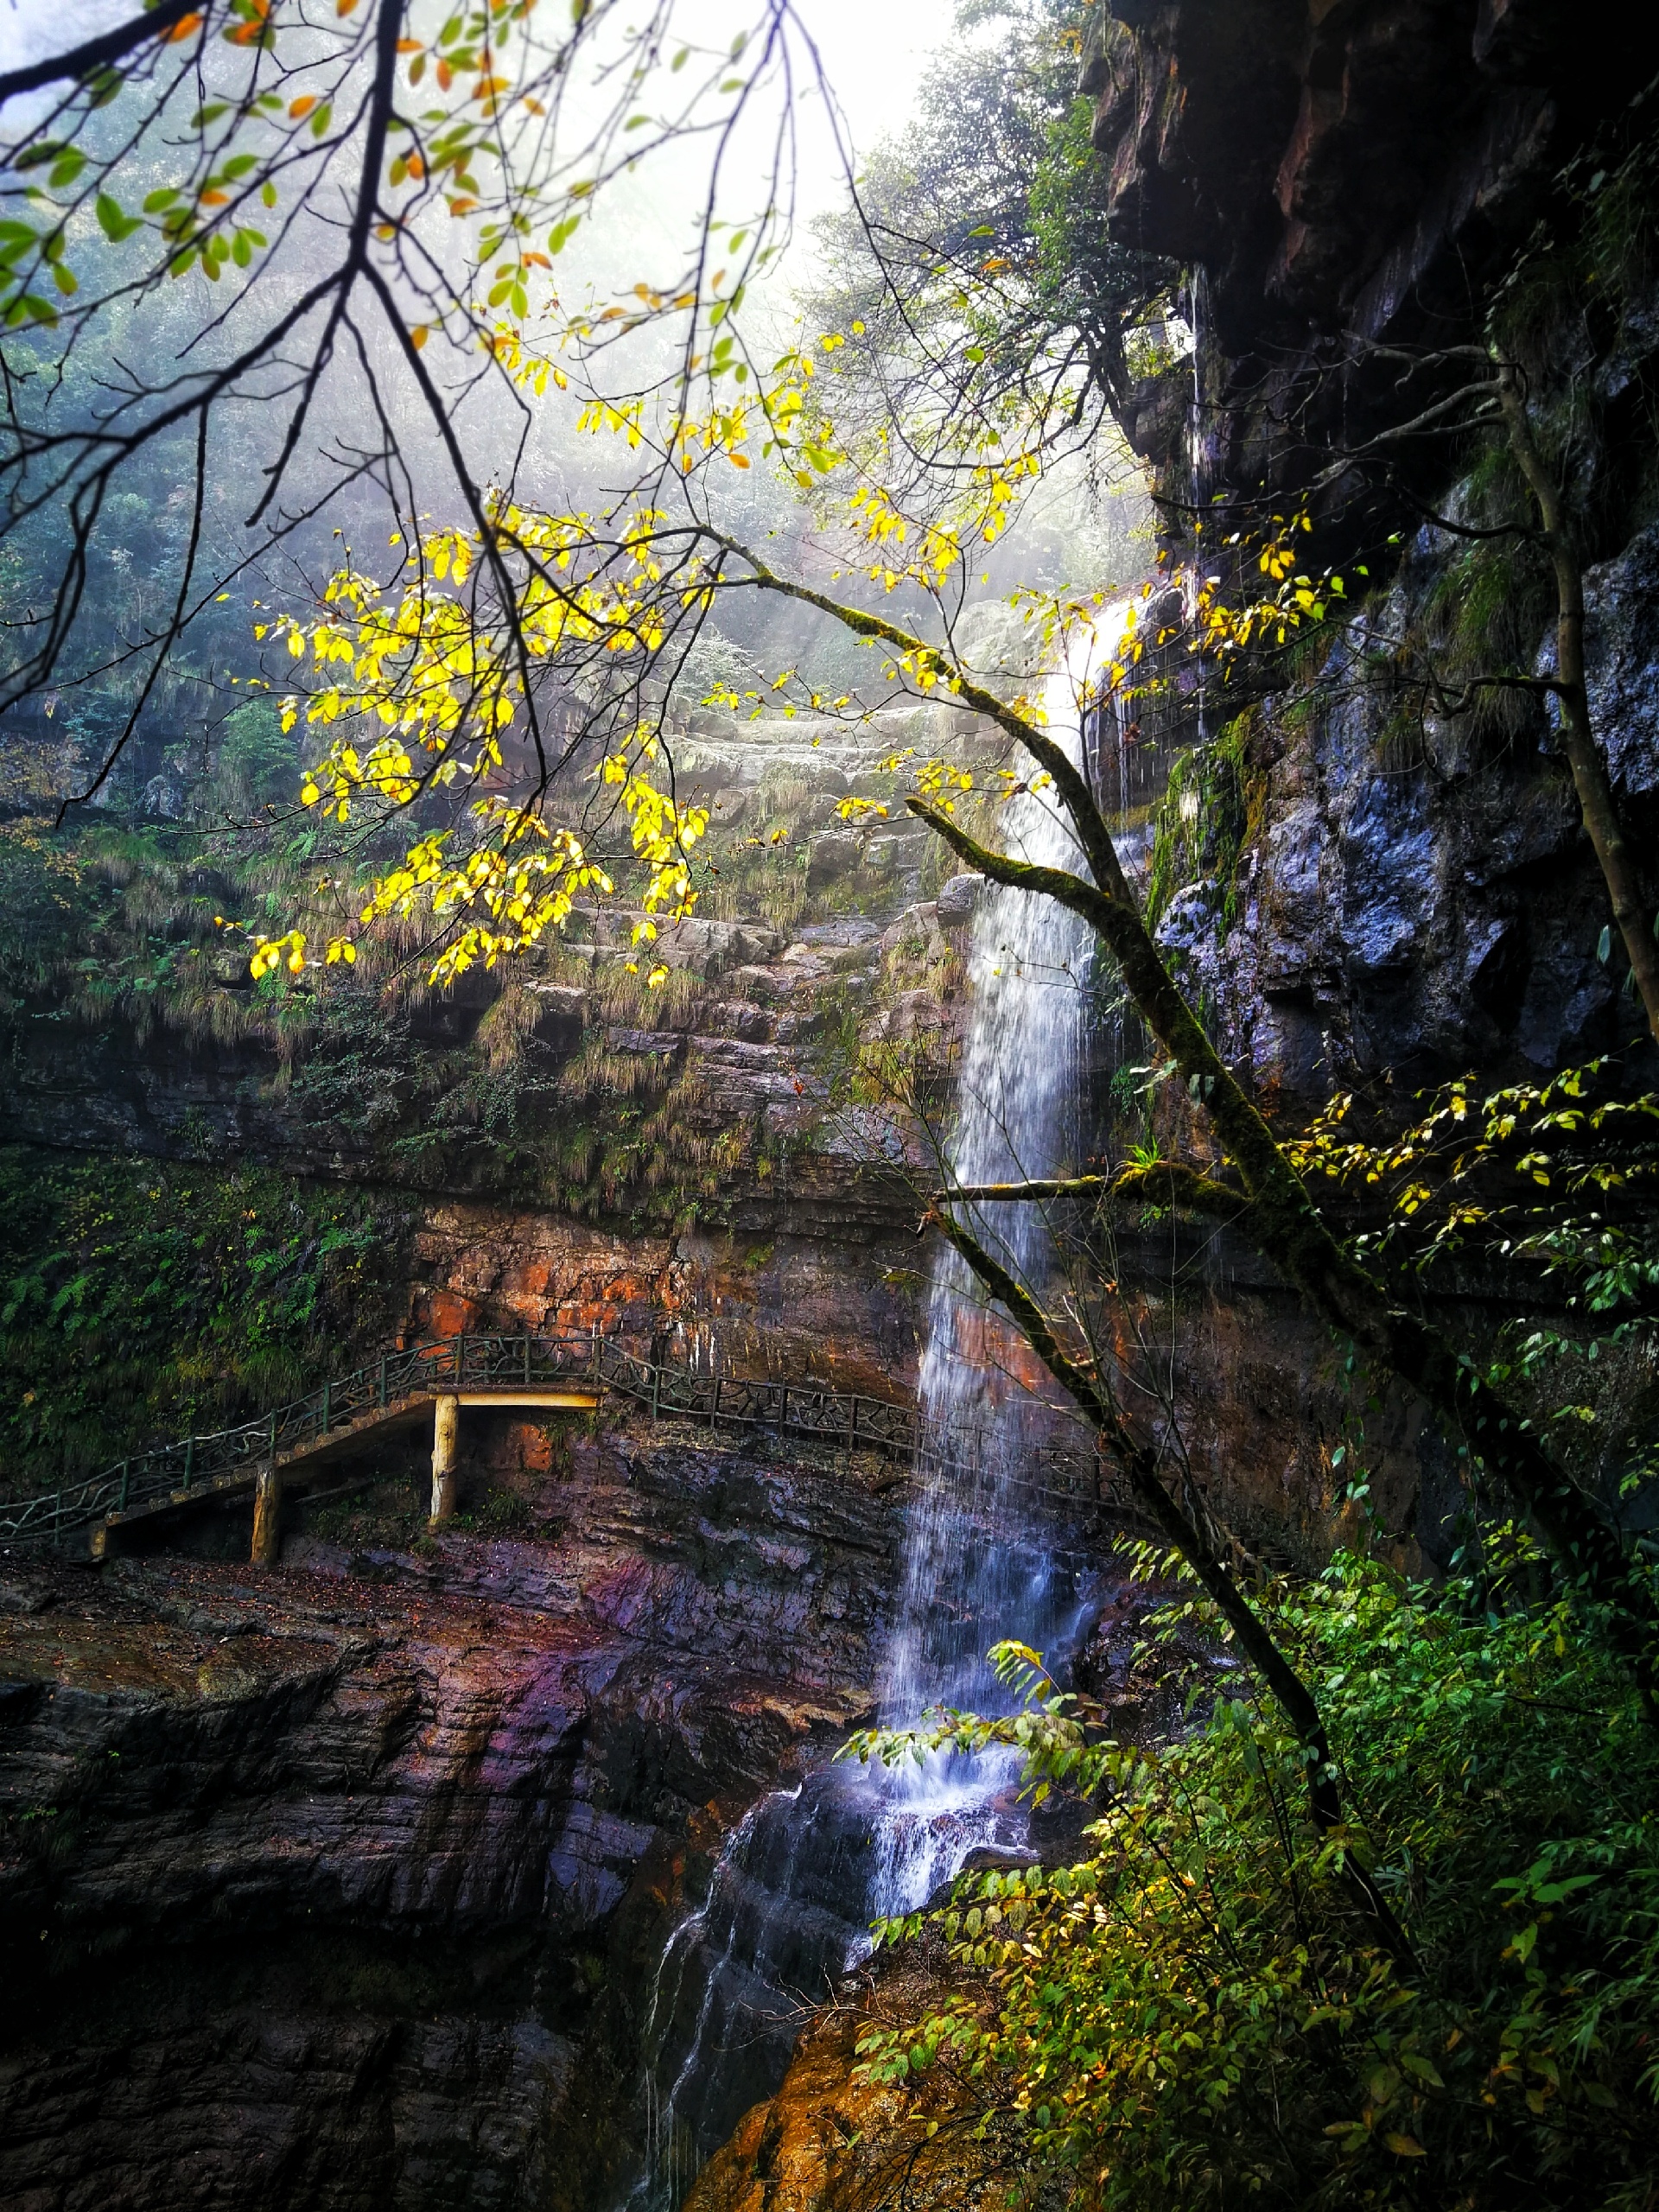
[[1162, 1183], [1254, 1639], [96, 54], [1287, 1229]]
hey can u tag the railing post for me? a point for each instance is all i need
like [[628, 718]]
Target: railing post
[[383, 1382], [783, 1409], [852, 1425], [446, 1433], [713, 1404], [461, 1359], [268, 1504], [126, 1476], [189, 1463], [526, 1359], [596, 1352], [57, 1517], [325, 1408], [656, 1386]]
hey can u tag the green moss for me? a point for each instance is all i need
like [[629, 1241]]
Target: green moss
[[1209, 814], [144, 1299]]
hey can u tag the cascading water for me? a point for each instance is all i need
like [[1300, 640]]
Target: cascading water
[[974, 1566], [798, 1881]]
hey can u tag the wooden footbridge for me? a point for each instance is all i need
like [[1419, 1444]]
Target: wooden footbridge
[[434, 1381]]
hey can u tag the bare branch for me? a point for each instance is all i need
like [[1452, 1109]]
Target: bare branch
[[95, 53]]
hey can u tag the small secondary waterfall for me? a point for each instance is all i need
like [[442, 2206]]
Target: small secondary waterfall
[[798, 1881]]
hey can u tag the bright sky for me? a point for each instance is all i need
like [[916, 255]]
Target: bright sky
[[873, 49]]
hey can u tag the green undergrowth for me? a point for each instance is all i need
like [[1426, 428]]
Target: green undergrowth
[[1198, 2012], [140, 1300]]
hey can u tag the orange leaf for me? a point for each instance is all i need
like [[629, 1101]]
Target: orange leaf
[[345, 7], [446, 74], [417, 337], [411, 46], [301, 108], [215, 198], [187, 27], [416, 168]]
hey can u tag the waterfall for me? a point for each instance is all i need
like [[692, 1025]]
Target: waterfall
[[974, 1567], [798, 1881]]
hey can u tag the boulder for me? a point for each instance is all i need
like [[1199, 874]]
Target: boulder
[[958, 901]]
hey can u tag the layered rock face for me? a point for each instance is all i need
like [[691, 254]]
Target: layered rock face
[[334, 1887]]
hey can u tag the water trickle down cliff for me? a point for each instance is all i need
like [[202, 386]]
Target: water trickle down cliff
[[787, 1908]]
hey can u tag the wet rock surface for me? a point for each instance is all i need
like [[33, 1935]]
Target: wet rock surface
[[338, 1886], [827, 2140]]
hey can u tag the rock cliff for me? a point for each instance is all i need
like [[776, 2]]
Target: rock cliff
[[329, 1888]]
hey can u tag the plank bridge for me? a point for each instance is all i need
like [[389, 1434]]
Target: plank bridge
[[436, 1380]]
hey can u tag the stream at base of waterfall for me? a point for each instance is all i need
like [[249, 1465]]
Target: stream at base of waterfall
[[795, 1888]]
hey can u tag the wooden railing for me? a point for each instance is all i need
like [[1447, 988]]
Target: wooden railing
[[359, 1401]]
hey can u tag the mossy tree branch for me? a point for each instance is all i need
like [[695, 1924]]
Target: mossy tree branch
[[1287, 1227], [1160, 1183]]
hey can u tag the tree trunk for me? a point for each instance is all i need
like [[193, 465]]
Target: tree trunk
[[445, 1430], [1601, 821]]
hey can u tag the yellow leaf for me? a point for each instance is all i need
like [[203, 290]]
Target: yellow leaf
[[1403, 2146]]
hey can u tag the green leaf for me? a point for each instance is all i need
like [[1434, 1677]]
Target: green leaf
[[114, 224], [66, 168], [154, 201]]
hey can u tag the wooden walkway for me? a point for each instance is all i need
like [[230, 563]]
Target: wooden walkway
[[565, 1373]]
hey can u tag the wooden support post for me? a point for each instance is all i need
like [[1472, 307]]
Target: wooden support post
[[446, 1429], [268, 1506]]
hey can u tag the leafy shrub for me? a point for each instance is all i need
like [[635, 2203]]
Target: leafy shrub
[[1195, 2015]]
